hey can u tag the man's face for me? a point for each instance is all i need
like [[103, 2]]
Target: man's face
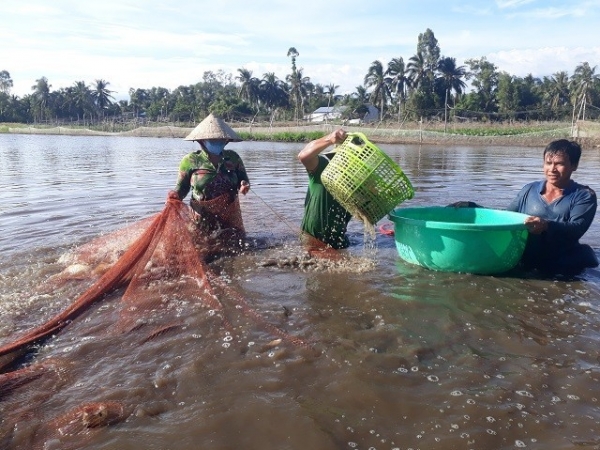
[[558, 169]]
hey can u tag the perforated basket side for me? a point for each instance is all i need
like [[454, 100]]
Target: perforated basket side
[[347, 171]]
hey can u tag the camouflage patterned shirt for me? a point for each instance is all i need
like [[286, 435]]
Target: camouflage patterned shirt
[[198, 174]]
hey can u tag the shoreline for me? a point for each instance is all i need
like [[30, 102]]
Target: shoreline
[[587, 136]]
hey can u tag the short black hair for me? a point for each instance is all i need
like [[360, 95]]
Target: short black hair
[[570, 148]]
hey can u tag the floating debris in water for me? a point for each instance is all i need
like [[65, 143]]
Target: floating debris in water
[[307, 262]]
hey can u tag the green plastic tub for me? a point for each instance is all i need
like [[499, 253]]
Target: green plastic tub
[[472, 240]]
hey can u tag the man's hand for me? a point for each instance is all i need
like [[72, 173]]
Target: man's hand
[[464, 204], [337, 136], [309, 155], [536, 225]]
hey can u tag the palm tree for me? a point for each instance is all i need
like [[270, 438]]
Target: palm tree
[[101, 96], [137, 100], [584, 82], [556, 91], [6, 82], [294, 94], [318, 91], [376, 79], [17, 109], [82, 98], [399, 81], [331, 93], [316, 95], [62, 103], [298, 90], [184, 104], [356, 103], [361, 94], [451, 78], [293, 53], [41, 96], [417, 70], [249, 86], [423, 99], [272, 92], [158, 103]]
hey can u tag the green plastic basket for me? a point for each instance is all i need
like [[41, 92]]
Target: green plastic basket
[[364, 180]]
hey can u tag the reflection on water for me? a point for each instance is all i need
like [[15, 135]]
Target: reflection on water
[[406, 357]]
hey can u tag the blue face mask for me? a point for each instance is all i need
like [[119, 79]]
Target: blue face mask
[[215, 147]]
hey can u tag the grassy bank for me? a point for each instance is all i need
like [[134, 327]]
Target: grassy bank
[[588, 133], [282, 136]]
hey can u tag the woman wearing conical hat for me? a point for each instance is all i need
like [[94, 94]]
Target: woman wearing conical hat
[[215, 176]]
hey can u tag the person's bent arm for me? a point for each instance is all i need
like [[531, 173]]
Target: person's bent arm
[[581, 216], [309, 155], [243, 180], [184, 177]]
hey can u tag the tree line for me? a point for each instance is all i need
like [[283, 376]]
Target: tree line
[[426, 86]]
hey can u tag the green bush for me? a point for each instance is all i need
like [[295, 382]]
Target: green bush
[[483, 131], [284, 136]]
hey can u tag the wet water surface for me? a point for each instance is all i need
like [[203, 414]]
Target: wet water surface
[[396, 356]]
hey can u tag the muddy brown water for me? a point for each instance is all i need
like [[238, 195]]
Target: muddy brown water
[[407, 358]]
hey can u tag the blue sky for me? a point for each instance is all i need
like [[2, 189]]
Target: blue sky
[[146, 43]]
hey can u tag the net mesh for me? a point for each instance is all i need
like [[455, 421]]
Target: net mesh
[[164, 267]]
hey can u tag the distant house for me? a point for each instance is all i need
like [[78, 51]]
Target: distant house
[[372, 115], [327, 113]]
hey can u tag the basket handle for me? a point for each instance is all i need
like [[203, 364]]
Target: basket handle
[[357, 136]]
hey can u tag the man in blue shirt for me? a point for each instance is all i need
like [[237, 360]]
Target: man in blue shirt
[[560, 211]]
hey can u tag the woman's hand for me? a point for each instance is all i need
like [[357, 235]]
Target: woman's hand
[[244, 187], [536, 225], [172, 195]]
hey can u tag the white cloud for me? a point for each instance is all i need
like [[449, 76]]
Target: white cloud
[[552, 13], [146, 43], [502, 4], [25, 9], [473, 10], [544, 61]]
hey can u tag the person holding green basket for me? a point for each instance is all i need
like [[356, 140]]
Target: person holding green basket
[[325, 220]]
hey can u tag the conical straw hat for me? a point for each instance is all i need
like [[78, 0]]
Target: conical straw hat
[[213, 127]]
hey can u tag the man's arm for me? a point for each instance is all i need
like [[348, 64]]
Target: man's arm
[[309, 155], [581, 216]]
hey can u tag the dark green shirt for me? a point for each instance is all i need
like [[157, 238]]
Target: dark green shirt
[[324, 218]]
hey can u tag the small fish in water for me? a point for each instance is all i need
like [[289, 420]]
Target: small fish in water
[[287, 312], [88, 416], [300, 262]]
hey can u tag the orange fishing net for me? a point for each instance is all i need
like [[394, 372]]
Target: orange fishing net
[[219, 213], [163, 272]]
